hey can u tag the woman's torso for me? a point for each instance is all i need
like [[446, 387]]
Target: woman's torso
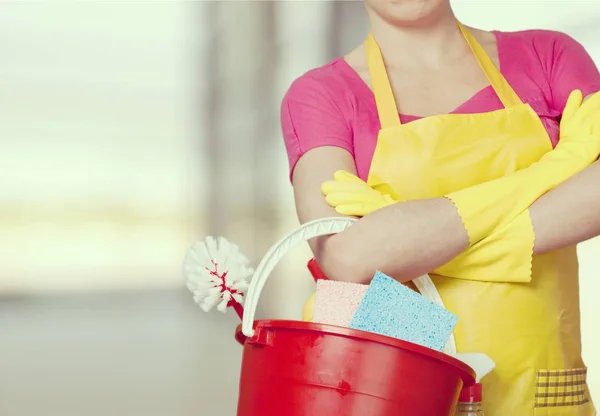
[[516, 60]]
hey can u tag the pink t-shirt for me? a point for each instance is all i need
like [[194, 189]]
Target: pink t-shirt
[[332, 106]]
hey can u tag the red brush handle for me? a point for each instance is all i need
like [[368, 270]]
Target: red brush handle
[[315, 270], [238, 308]]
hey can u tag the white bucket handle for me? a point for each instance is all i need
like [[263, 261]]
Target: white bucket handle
[[315, 228]]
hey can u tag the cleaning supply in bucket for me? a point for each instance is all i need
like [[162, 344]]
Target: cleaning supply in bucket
[[390, 308], [325, 360], [470, 401], [481, 363], [217, 274], [308, 309], [336, 302]]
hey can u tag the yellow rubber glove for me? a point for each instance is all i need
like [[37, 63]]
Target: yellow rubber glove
[[506, 255], [308, 309], [487, 207], [350, 195]]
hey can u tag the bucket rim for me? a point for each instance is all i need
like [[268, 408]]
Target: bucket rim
[[467, 374]]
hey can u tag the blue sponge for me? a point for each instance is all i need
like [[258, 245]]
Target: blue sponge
[[392, 309]]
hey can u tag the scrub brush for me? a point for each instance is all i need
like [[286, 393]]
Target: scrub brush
[[217, 274]]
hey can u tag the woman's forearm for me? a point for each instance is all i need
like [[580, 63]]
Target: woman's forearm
[[409, 239], [403, 240], [569, 214]]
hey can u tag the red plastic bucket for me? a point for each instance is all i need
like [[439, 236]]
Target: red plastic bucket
[[293, 368]]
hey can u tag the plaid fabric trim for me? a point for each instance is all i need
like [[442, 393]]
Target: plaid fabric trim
[[554, 388]]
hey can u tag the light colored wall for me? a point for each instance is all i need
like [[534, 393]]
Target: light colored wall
[[101, 160]]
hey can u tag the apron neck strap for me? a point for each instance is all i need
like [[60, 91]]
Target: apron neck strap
[[382, 89], [507, 95], [384, 95]]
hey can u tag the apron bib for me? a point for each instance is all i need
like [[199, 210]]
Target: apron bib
[[532, 330]]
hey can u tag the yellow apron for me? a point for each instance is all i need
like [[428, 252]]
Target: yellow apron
[[531, 330]]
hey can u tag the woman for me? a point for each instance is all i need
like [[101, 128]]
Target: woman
[[508, 272]]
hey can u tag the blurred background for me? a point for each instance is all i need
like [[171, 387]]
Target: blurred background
[[129, 130]]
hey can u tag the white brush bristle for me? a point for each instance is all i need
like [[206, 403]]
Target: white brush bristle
[[216, 272]]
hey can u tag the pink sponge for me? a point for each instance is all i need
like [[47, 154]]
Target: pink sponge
[[336, 302]]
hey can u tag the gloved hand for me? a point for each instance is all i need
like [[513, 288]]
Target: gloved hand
[[487, 207], [308, 309], [579, 118], [350, 195]]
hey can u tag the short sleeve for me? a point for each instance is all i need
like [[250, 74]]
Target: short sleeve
[[569, 67], [311, 117]]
